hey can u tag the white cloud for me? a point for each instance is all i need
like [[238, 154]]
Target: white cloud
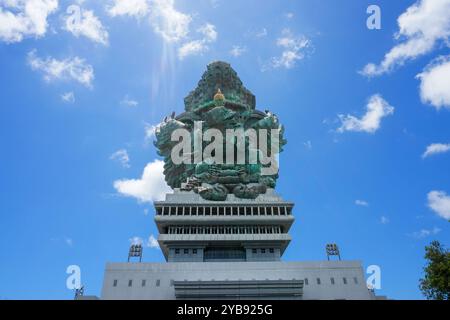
[[423, 233], [122, 157], [209, 32], [68, 69], [150, 131], [132, 8], [170, 23], [151, 242], [237, 51], [190, 48], [126, 101], [150, 187], [436, 148], [24, 18], [384, 220], [289, 15], [294, 49], [84, 23], [435, 83], [197, 47], [68, 97], [308, 144], [261, 33], [377, 108], [421, 27], [362, 203], [68, 241], [439, 202]]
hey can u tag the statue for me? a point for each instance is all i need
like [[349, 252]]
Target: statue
[[219, 102]]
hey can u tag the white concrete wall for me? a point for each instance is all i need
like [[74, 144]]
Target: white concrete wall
[[167, 272]]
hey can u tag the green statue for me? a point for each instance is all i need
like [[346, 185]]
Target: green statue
[[221, 104]]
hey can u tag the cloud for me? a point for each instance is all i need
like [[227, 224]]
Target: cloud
[[150, 131], [150, 187], [439, 202], [126, 101], [384, 220], [171, 24], [435, 83], [308, 144], [294, 48], [362, 203], [68, 241], [237, 51], [197, 47], [84, 23], [122, 157], [421, 27], [68, 97], [151, 242], [436, 148], [425, 233], [132, 8], [377, 108], [24, 18], [73, 68]]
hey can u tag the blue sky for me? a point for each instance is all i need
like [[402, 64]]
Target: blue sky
[[366, 114]]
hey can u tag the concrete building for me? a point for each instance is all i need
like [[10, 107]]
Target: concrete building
[[230, 250]]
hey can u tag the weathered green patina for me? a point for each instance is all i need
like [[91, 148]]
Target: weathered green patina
[[221, 102]]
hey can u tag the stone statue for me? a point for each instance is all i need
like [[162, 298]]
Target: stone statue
[[219, 102]]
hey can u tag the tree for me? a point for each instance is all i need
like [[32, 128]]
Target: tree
[[436, 283]]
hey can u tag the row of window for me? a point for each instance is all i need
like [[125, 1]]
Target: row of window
[[223, 211], [143, 283], [186, 251], [332, 280], [224, 229], [158, 281]]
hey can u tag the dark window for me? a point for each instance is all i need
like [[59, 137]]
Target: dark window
[[115, 283], [263, 250], [306, 281], [171, 283], [271, 250], [254, 251], [144, 282], [130, 283], [194, 251], [318, 280], [177, 251], [345, 280], [186, 251], [158, 282], [356, 280], [332, 280]]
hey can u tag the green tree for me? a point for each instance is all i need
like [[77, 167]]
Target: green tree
[[436, 283]]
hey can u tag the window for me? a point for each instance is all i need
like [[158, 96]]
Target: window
[[263, 250], [345, 280], [158, 282], [318, 280], [355, 279], [254, 251], [144, 282], [130, 283], [332, 280], [186, 251], [306, 281], [194, 251], [115, 283], [271, 250], [177, 251], [171, 283]]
